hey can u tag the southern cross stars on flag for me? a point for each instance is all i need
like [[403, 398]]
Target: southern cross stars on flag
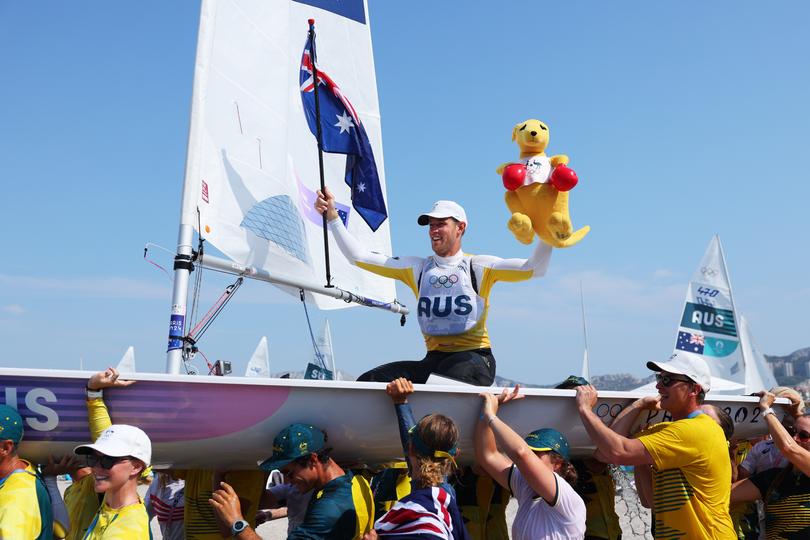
[[343, 133]]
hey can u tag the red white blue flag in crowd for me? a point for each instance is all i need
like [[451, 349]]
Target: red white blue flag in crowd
[[427, 513], [343, 133]]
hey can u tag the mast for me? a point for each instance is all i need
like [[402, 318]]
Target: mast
[[183, 265]]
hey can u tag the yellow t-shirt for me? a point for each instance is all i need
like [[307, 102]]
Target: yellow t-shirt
[[82, 502], [19, 507], [200, 521], [128, 523], [598, 490], [691, 479]]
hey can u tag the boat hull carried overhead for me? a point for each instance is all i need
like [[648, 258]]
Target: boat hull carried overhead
[[216, 422]]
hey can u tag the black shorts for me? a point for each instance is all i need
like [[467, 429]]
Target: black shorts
[[476, 366]]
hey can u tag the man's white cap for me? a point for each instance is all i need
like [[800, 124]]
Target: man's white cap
[[120, 440], [690, 365], [444, 209]]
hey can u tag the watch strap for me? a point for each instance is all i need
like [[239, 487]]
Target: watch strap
[[768, 411], [94, 394]]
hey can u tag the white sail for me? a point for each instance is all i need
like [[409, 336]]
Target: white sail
[[586, 366], [708, 326], [127, 362], [324, 343], [259, 363], [758, 374], [252, 165]]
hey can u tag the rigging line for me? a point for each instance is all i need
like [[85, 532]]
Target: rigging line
[[210, 366], [167, 250], [198, 277], [318, 355], [153, 263], [205, 322]]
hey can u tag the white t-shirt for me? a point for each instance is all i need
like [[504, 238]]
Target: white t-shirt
[[536, 519], [763, 456], [297, 503]]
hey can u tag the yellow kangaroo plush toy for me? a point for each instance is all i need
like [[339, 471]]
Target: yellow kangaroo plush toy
[[538, 188]]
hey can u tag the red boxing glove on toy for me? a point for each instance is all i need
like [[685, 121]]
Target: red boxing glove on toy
[[562, 177], [514, 175]]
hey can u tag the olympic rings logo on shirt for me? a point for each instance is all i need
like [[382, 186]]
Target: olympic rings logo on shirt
[[443, 281]]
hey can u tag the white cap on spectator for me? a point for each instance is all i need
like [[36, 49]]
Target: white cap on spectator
[[120, 440], [687, 364]]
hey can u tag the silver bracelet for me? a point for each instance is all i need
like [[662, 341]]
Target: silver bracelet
[[768, 411]]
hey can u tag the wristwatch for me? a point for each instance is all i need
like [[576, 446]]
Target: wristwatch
[[239, 526], [94, 394], [768, 411]]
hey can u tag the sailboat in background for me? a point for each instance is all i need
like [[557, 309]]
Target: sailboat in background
[[711, 327], [327, 352], [323, 368], [586, 365], [127, 362], [259, 363], [758, 373]]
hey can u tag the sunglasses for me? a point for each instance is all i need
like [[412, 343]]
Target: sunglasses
[[667, 380], [105, 462], [802, 435]]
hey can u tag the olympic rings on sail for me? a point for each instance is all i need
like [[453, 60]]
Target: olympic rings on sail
[[443, 281]]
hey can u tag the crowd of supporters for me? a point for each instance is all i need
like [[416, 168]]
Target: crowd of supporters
[[696, 478]]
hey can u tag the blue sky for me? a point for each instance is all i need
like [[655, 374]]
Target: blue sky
[[682, 120]]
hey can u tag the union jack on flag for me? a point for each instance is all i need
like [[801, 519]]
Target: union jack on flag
[[427, 513], [690, 342], [343, 133]]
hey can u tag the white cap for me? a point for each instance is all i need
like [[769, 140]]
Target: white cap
[[687, 364], [120, 440], [444, 209]]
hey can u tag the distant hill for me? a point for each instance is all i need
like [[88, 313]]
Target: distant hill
[[791, 369]]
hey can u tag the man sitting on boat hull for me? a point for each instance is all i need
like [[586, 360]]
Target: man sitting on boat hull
[[452, 289]]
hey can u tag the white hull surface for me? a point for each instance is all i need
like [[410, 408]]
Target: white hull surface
[[208, 422]]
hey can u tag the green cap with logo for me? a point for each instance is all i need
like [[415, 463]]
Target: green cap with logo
[[572, 382], [11, 425], [295, 441], [547, 439]]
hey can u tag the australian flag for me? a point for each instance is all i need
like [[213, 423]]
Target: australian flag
[[693, 343], [342, 133]]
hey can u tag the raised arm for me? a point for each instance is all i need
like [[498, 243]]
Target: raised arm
[[97, 413], [537, 474], [404, 269], [793, 452], [515, 269], [611, 446], [399, 390], [486, 452]]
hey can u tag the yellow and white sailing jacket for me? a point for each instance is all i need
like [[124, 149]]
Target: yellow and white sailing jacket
[[452, 292]]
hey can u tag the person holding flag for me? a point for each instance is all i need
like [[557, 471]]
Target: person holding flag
[[452, 289]]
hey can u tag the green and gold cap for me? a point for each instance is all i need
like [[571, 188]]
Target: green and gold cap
[[293, 442], [11, 425], [544, 440]]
